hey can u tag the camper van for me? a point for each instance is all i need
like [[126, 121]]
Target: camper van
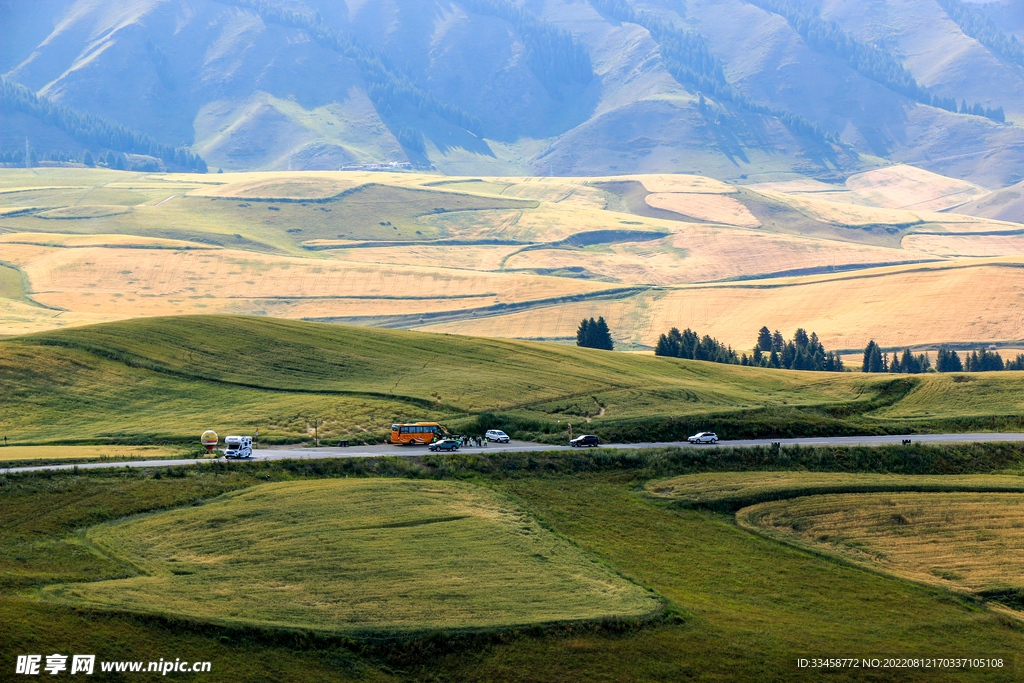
[[238, 447]]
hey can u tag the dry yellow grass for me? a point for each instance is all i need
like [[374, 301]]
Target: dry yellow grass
[[302, 187], [23, 318], [120, 283], [684, 258], [966, 245], [845, 214], [893, 187], [553, 190], [681, 183], [465, 257], [908, 187], [19, 453], [706, 207], [53, 239], [710, 487], [949, 305], [966, 541]]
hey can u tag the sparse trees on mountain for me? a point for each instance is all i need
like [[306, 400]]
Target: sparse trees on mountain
[[872, 61], [687, 56], [387, 86], [554, 56], [92, 130], [975, 24], [594, 334]]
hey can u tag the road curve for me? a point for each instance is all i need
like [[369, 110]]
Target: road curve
[[523, 446]]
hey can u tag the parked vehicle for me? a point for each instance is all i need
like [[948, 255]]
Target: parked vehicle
[[238, 447], [444, 445], [585, 440], [417, 433], [703, 437], [496, 435]]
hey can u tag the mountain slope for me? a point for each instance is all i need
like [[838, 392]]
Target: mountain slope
[[728, 88]]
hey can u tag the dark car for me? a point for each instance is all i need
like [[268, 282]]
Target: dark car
[[585, 440], [444, 445]]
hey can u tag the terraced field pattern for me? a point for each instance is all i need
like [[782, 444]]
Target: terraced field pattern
[[517, 257]]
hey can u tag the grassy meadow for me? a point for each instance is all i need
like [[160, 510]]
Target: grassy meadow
[[165, 380], [355, 556], [739, 606]]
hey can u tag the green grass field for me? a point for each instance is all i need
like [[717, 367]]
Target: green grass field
[[741, 607], [169, 379], [355, 556]]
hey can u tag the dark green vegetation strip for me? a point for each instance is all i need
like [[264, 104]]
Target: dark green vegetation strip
[[740, 607]]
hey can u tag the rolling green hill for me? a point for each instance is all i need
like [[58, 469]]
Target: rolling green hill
[[168, 379]]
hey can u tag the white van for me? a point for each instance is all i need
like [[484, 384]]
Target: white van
[[238, 447]]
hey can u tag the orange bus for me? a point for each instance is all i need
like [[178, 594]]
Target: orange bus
[[417, 433]]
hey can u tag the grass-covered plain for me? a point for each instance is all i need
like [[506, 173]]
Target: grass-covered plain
[[740, 607], [169, 379], [355, 556]]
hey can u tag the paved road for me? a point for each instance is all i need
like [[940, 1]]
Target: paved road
[[523, 446]]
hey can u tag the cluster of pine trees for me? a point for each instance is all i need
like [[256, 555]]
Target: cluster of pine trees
[[389, 89], [870, 60], [877, 361], [802, 352], [594, 334], [553, 55], [947, 360], [984, 30], [687, 56], [90, 130], [689, 344]]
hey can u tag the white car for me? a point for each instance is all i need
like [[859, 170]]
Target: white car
[[496, 435], [704, 437]]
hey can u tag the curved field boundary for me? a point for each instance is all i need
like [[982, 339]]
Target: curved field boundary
[[733, 492]]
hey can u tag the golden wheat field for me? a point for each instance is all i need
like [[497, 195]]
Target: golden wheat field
[[707, 207], [894, 187], [965, 541], [93, 245], [119, 283], [23, 453], [959, 303]]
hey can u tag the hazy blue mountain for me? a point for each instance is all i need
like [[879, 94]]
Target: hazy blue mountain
[[727, 88]]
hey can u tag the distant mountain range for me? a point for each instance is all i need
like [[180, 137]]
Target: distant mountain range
[[726, 88]]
